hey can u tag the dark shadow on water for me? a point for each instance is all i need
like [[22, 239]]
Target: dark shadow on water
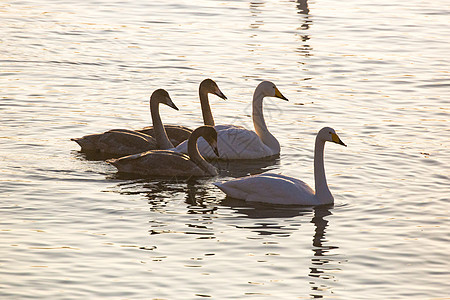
[[267, 219], [272, 220], [233, 168], [158, 191], [239, 168], [304, 49], [201, 201], [324, 265], [256, 7], [256, 210], [93, 155], [302, 6], [162, 179]]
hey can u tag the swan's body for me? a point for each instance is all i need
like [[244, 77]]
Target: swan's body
[[280, 189], [125, 142], [178, 133], [236, 142], [170, 163], [117, 142]]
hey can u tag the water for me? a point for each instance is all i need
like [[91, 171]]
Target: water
[[377, 72]]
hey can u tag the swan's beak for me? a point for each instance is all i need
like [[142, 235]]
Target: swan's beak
[[278, 94], [335, 138], [220, 94], [171, 104]]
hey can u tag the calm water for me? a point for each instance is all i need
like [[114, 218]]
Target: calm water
[[376, 71]]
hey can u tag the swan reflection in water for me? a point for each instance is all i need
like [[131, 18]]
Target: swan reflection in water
[[202, 203], [323, 264]]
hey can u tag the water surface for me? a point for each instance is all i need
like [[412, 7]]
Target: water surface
[[377, 72]]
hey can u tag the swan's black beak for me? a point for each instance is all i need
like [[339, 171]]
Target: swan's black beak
[[171, 104], [337, 140], [278, 94], [220, 94]]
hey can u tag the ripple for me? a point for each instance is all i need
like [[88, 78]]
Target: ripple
[[70, 226]]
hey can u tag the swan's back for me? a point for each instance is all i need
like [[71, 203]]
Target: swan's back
[[158, 163], [117, 142], [125, 143], [269, 188], [233, 142]]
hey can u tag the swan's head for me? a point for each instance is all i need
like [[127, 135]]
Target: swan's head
[[210, 86], [269, 89], [329, 134], [210, 135], [162, 96]]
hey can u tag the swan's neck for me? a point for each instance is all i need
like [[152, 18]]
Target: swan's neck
[[196, 157], [206, 108], [158, 128], [323, 193], [260, 125]]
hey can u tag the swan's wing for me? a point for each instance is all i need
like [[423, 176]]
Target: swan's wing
[[117, 141], [269, 188], [129, 131], [240, 143], [233, 142], [295, 181], [158, 163], [225, 127], [182, 147], [125, 143]]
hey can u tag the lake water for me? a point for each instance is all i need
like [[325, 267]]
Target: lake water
[[376, 71]]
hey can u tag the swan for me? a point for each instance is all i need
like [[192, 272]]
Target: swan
[[170, 163], [236, 142], [178, 133], [280, 189], [125, 142]]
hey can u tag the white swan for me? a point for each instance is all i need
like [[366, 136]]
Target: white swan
[[170, 163], [236, 142], [280, 189], [178, 133], [125, 142]]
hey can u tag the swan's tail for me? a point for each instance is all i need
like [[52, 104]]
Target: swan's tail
[[87, 142]]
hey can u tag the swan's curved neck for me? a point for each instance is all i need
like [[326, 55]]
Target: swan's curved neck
[[323, 193], [195, 155], [260, 125], [158, 128], [206, 108]]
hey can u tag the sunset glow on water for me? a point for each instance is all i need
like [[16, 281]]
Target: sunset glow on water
[[377, 72]]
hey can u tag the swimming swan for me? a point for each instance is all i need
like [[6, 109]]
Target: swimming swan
[[170, 163], [125, 142], [178, 133], [236, 142], [280, 189]]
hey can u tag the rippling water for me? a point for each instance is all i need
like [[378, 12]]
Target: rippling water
[[376, 71]]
